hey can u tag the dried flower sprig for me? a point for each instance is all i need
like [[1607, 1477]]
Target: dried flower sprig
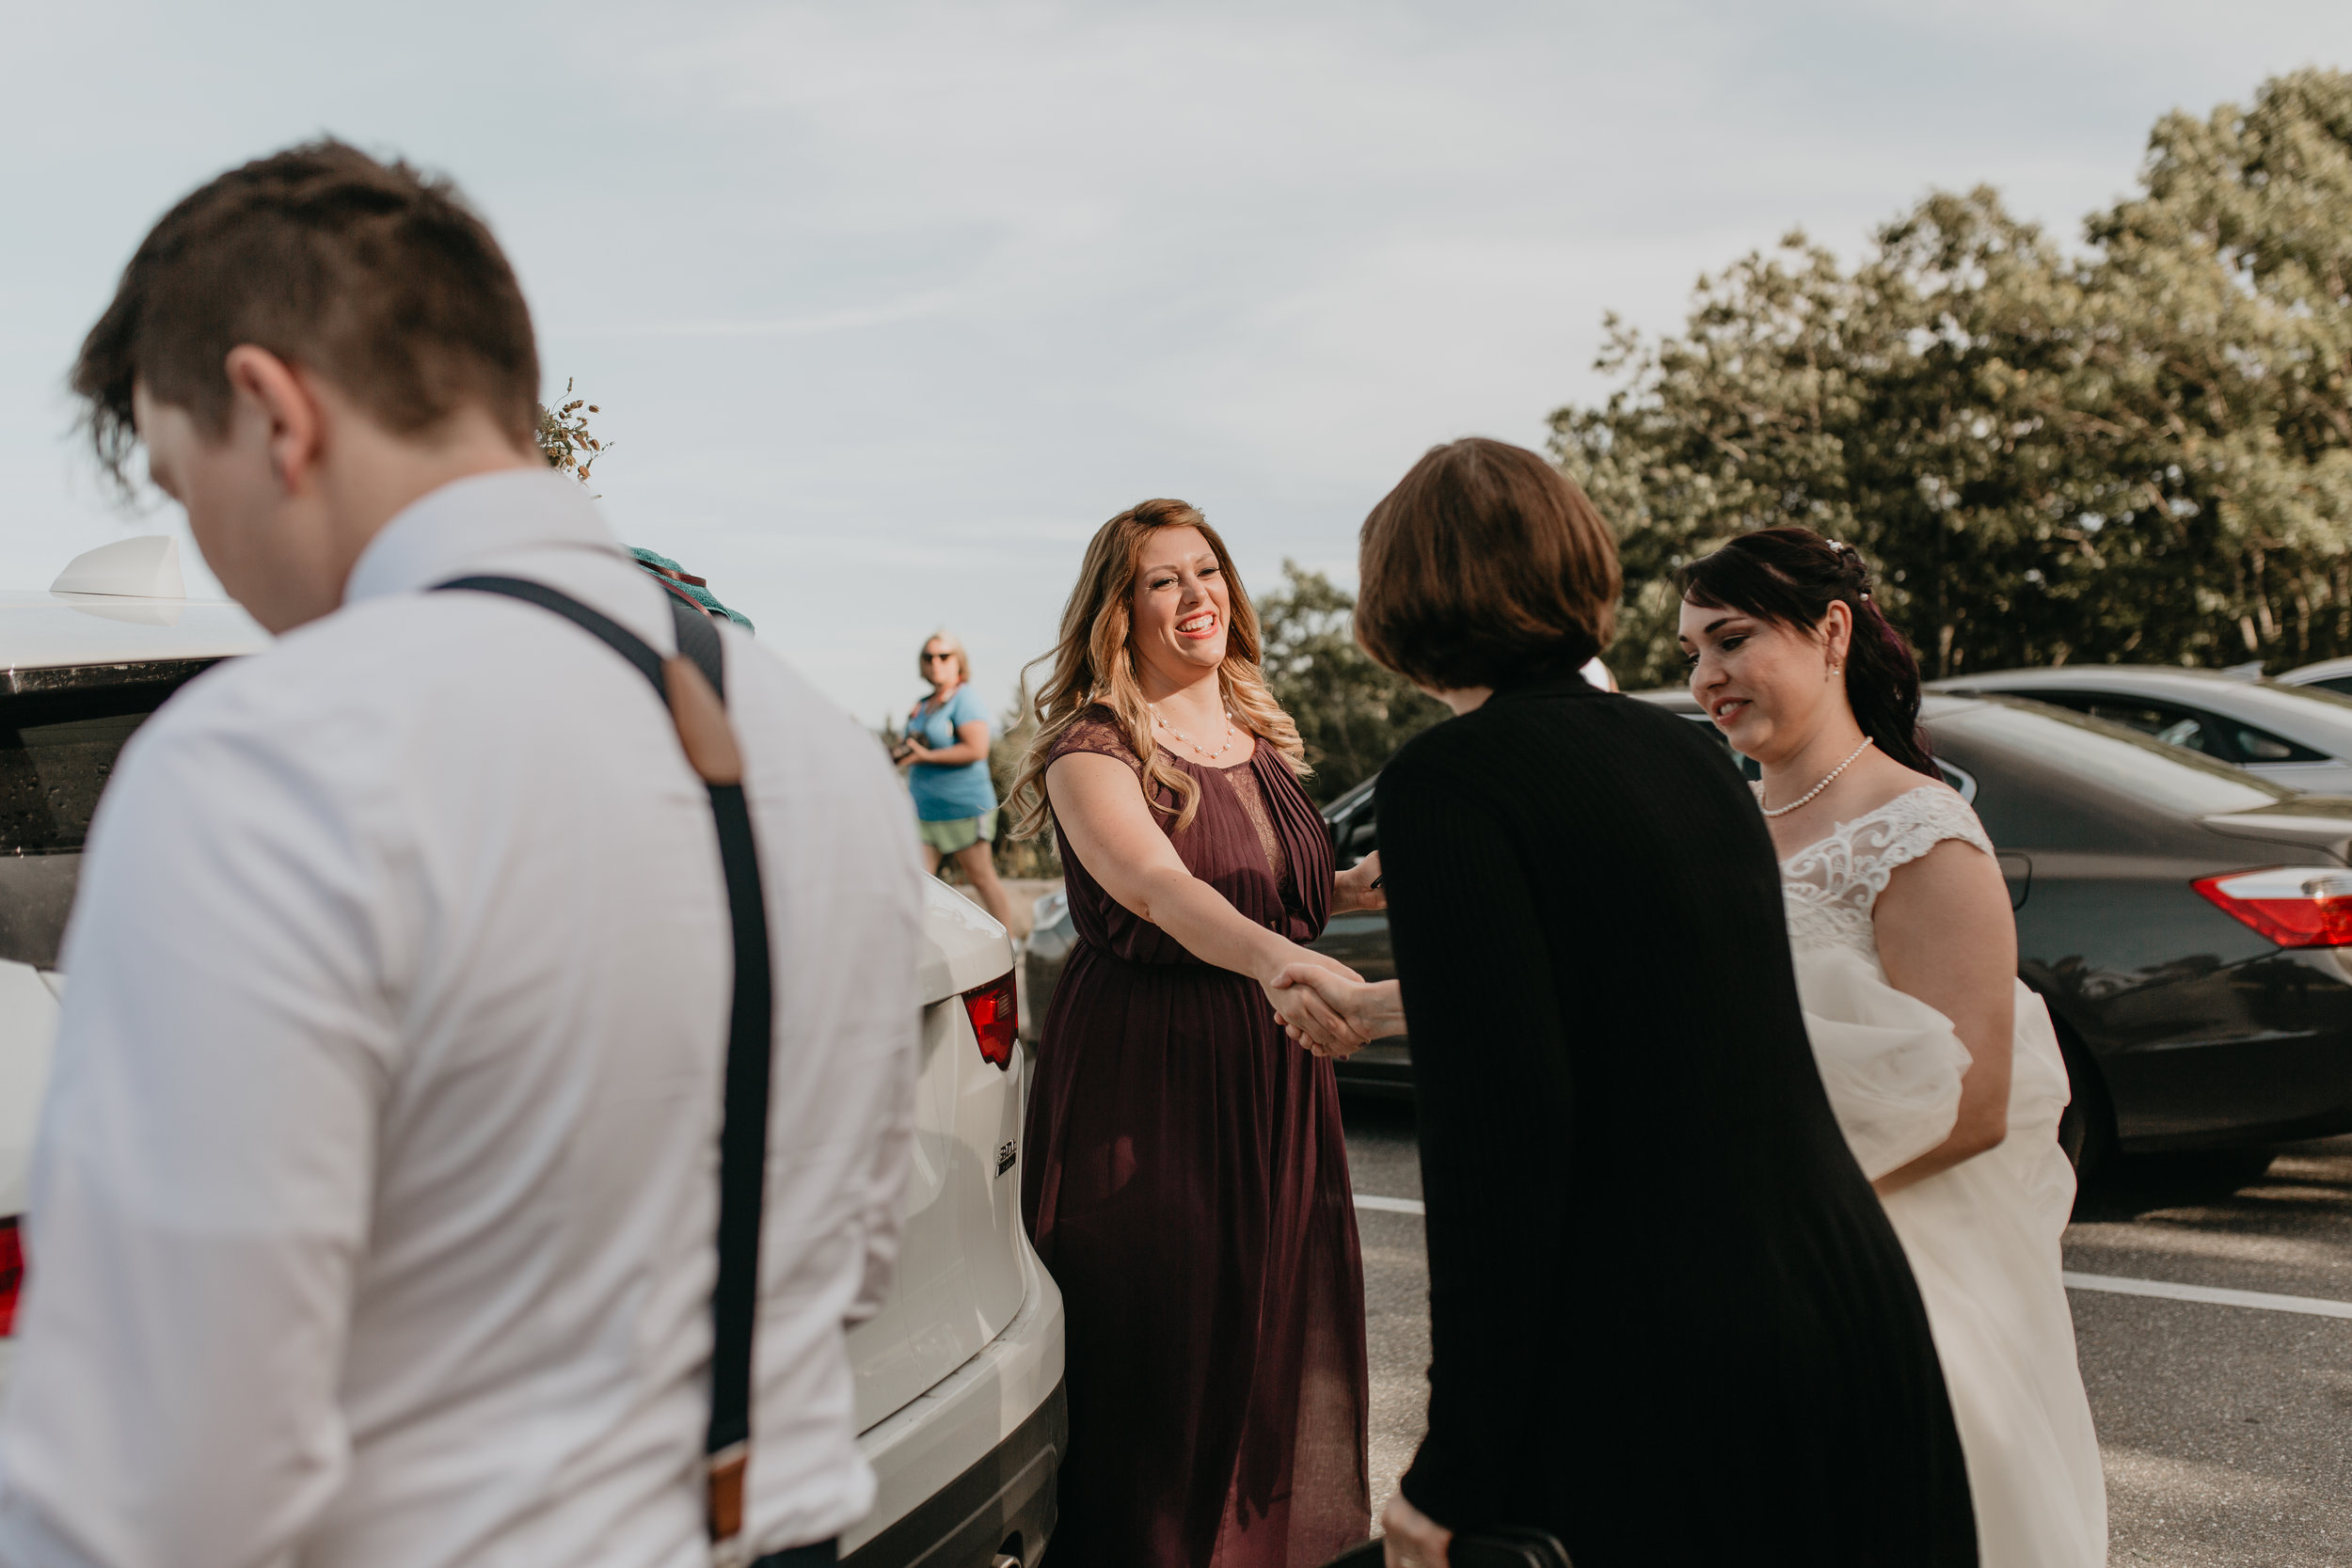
[[563, 438]]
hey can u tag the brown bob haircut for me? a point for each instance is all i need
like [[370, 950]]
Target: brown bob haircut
[[373, 276], [1484, 565]]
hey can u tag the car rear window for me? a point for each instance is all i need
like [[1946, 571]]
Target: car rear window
[[61, 734], [2121, 759]]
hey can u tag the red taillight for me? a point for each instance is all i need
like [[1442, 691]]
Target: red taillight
[[996, 1018], [2294, 906], [11, 1273]]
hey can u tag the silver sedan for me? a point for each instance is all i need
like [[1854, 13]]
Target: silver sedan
[[2328, 675], [2297, 735]]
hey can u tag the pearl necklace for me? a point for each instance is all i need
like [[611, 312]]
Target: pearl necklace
[[1206, 755], [1825, 782]]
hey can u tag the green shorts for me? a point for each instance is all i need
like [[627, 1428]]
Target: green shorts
[[957, 834]]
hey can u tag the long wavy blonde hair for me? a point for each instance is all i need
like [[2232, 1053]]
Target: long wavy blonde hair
[[1094, 662]]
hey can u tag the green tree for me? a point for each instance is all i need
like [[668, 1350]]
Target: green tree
[[1351, 713], [1025, 857], [2140, 451], [2230, 282]]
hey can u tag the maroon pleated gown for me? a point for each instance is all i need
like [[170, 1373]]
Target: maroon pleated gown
[[1187, 1187]]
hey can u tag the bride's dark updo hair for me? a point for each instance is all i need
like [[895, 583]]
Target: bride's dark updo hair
[[1790, 577]]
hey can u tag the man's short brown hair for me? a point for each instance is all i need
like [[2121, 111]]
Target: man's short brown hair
[[1484, 565], [373, 275]]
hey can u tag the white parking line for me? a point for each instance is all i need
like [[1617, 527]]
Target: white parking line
[[2210, 1295], [1390, 1205], [2113, 1284]]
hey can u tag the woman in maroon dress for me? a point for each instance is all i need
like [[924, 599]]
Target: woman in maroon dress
[[1186, 1181]]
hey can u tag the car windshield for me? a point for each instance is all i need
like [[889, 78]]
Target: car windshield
[[60, 732], [2121, 759]]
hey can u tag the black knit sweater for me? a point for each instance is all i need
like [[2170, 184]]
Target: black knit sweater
[[1670, 1321]]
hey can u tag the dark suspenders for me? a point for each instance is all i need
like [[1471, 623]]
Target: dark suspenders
[[694, 687]]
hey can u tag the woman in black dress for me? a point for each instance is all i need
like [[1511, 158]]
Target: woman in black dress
[[1670, 1322], [1187, 1178]]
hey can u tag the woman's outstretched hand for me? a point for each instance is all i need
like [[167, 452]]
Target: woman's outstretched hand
[[1357, 887], [1413, 1539], [1366, 1010]]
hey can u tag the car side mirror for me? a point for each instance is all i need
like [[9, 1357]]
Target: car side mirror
[[1355, 835]]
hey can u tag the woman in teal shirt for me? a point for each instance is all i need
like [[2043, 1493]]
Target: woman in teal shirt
[[955, 802]]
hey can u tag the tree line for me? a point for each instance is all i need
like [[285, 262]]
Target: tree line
[[2136, 449]]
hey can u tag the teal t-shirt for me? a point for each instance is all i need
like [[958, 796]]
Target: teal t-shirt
[[957, 790]]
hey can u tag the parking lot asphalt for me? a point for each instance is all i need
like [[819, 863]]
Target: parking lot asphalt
[[2226, 1429]]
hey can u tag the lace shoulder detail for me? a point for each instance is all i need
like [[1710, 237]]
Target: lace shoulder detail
[[1096, 730], [1832, 885], [1924, 817]]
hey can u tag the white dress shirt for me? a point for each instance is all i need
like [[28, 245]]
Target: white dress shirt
[[373, 1211]]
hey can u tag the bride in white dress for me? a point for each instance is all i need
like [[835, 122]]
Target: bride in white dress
[[1941, 1066]]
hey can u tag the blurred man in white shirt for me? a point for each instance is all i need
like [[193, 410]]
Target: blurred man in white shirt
[[373, 1209]]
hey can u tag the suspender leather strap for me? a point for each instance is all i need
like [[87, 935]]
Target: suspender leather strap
[[694, 687]]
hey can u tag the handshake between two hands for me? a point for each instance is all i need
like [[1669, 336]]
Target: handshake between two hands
[[1333, 1011], [1326, 1006]]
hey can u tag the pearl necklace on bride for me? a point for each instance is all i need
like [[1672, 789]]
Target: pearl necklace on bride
[[1826, 781], [1206, 755]]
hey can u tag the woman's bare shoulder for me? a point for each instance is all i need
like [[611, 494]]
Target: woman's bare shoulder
[[1877, 781]]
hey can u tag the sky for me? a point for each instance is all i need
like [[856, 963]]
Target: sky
[[887, 307]]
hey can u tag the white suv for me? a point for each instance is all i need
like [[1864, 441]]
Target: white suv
[[960, 1400]]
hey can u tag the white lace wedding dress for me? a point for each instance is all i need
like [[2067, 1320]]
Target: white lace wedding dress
[[1983, 1236]]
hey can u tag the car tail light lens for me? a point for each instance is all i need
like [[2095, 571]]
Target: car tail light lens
[[2294, 906], [996, 1018], [11, 1273]]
